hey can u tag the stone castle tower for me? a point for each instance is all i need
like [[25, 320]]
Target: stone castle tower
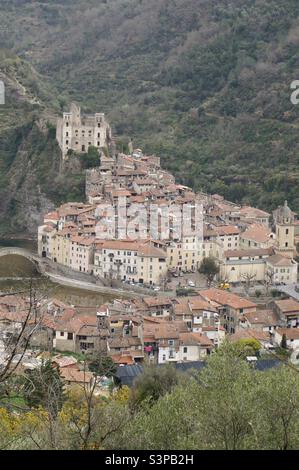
[[285, 231], [78, 132]]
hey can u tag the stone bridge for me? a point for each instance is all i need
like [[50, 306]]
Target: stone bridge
[[34, 258], [65, 276]]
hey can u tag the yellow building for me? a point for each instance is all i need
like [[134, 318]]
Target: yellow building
[[237, 265], [81, 251], [285, 231], [183, 255], [128, 260]]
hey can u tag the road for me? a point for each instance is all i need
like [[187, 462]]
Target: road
[[289, 290], [70, 282], [65, 276]]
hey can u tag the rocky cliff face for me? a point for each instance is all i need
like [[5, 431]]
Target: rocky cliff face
[[32, 177], [36, 181], [23, 200]]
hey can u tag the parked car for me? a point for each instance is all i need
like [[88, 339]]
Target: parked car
[[191, 283]]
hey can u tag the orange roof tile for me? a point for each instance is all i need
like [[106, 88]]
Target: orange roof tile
[[227, 298]]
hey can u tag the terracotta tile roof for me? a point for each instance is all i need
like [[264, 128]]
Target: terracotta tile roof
[[257, 233], [244, 333], [67, 314], [138, 199], [227, 230], [227, 298], [91, 331], [213, 328], [147, 250], [287, 306], [188, 305], [52, 216], [76, 376], [64, 361], [87, 208], [143, 248], [49, 228], [84, 241], [253, 212], [48, 321], [197, 303], [17, 317], [164, 330], [68, 231], [12, 300], [122, 359], [262, 317], [278, 260], [147, 321], [156, 301], [252, 252], [120, 192], [145, 181], [191, 338], [73, 324], [291, 333]]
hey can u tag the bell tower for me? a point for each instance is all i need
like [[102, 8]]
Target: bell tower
[[285, 230]]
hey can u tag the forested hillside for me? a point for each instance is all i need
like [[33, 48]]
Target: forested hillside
[[205, 84]]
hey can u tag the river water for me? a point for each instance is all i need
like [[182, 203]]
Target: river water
[[15, 272]]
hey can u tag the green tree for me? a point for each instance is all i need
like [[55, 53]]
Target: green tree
[[209, 268], [101, 364], [247, 347], [171, 422], [44, 388], [227, 400], [90, 159], [276, 422], [283, 343], [153, 383]]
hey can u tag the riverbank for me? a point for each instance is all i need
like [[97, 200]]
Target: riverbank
[[18, 236], [16, 266], [83, 285], [22, 261], [19, 242]]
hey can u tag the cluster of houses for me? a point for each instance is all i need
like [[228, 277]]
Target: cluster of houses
[[152, 330], [91, 237], [247, 244]]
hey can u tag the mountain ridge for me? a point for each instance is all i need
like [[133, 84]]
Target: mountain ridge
[[205, 85]]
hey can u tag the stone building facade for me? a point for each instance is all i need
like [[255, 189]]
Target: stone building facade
[[78, 132]]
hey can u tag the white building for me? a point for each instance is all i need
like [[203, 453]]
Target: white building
[[284, 269], [292, 337]]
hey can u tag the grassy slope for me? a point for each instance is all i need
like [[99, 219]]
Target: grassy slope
[[204, 84]]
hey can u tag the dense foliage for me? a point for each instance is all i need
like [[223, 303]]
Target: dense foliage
[[228, 405], [204, 84]]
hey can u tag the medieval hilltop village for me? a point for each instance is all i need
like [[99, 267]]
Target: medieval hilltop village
[[189, 291]]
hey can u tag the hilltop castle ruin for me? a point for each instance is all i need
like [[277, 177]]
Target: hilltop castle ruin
[[79, 132]]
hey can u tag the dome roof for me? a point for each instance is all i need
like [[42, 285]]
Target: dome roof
[[284, 213]]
